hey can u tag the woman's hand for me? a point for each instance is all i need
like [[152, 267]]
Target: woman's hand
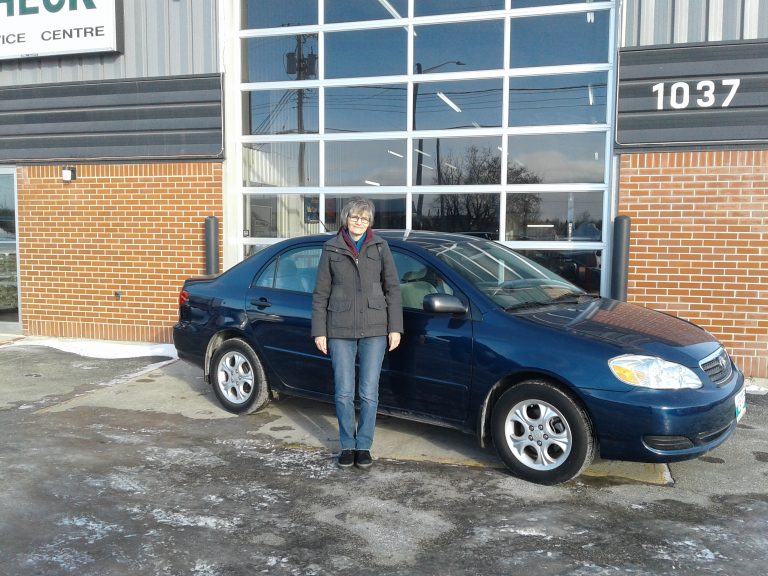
[[322, 344], [394, 340]]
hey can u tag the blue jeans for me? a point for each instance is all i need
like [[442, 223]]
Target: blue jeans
[[371, 353]]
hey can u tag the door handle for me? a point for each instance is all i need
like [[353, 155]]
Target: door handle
[[261, 303]]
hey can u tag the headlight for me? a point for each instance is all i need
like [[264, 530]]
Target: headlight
[[651, 372]]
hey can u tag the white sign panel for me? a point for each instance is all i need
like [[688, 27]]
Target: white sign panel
[[35, 28]]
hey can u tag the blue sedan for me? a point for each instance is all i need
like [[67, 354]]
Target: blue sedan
[[494, 345]]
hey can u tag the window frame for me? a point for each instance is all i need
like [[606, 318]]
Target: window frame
[[409, 21]]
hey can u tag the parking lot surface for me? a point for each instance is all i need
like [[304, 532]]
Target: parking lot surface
[[127, 465]]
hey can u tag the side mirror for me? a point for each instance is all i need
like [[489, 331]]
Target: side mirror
[[444, 304]]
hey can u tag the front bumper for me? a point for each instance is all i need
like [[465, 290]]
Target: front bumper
[[662, 425]]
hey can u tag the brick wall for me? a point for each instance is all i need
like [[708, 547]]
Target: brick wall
[[137, 229], [699, 246]]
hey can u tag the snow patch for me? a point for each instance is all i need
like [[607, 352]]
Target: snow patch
[[102, 348]]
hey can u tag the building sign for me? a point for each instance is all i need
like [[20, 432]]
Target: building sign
[[689, 96], [36, 28]]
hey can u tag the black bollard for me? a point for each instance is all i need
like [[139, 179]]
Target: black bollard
[[620, 258], [211, 245]]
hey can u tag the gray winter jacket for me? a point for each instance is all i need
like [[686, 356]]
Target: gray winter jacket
[[356, 297]]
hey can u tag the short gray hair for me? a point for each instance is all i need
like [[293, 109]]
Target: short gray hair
[[357, 206]]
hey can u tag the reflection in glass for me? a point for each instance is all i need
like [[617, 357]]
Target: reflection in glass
[[284, 164], [565, 99], [346, 11], [280, 58], [283, 112], [446, 105], [251, 249], [276, 13], [560, 158], [456, 161], [390, 211], [9, 289], [576, 216], [360, 163], [580, 267], [280, 215], [431, 7], [366, 108], [536, 3], [473, 213], [365, 53], [478, 45], [580, 38]]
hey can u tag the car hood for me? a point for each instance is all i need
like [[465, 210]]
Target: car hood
[[630, 328]]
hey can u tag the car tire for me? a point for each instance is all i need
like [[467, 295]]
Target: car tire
[[238, 378], [542, 434]]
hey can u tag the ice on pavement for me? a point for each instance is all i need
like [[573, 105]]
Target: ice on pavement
[[101, 348]]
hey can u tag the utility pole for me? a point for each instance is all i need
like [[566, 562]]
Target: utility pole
[[303, 67], [300, 75]]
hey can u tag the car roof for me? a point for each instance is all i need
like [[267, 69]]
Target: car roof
[[413, 236]]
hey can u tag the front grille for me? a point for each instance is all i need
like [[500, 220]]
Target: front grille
[[717, 366]]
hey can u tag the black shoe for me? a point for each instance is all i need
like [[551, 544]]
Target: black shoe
[[346, 458], [363, 459]]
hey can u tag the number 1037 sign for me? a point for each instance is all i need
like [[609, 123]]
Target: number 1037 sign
[[701, 94]]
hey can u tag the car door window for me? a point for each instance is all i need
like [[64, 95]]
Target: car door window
[[294, 271], [417, 279], [267, 277]]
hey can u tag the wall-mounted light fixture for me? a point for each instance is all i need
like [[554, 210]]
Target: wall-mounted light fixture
[[68, 174]]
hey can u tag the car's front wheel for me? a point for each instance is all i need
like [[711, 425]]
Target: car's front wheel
[[238, 377], [542, 434]]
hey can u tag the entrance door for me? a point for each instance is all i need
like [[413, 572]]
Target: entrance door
[[9, 283]]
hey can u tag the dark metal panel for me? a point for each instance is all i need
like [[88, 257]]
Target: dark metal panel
[[639, 63], [692, 96], [113, 147], [129, 119], [129, 92]]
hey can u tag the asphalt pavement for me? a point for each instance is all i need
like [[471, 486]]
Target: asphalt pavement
[[117, 459]]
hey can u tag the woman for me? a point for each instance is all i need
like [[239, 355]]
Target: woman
[[356, 312]]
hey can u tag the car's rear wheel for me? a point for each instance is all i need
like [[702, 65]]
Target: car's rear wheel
[[238, 377], [542, 434]]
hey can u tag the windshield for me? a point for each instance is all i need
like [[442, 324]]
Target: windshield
[[509, 279]]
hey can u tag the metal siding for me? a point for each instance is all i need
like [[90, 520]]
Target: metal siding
[[178, 56], [177, 117], [715, 21], [691, 16], [745, 121], [762, 18], [205, 55], [158, 30], [630, 24], [733, 20], [161, 38], [660, 22], [136, 44]]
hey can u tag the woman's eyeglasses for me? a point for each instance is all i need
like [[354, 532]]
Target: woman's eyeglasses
[[361, 219]]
